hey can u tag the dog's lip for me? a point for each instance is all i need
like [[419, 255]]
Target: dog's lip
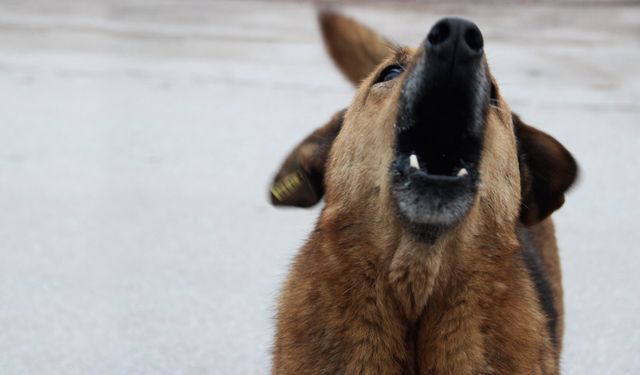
[[426, 176], [406, 167], [422, 183]]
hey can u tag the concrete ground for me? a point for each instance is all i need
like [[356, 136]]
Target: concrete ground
[[138, 139]]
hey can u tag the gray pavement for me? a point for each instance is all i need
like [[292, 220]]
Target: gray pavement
[[138, 139]]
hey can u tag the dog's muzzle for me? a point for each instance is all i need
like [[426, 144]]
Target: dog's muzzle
[[440, 127]]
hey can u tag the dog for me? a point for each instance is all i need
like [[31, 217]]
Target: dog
[[434, 252]]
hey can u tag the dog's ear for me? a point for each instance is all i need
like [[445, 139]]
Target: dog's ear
[[300, 180], [547, 171], [356, 49]]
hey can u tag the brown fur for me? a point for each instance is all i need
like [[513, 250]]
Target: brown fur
[[545, 239], [299, 180], [355, 49], [365, 297]]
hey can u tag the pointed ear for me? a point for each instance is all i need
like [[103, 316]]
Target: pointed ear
[[300, 180], [547, 171], [355, 49]]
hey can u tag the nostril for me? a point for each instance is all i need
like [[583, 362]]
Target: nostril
[[473, 38], [439, 33]]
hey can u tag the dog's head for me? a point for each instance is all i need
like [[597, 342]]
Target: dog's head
[[428, 137]]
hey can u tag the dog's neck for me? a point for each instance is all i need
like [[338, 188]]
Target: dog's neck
[[417, 270], [413, 268]]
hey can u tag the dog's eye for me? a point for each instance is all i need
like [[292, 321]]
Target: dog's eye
[[493, 98], [389, 73]]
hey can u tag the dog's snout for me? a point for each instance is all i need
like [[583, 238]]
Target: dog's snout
[[455, 36]]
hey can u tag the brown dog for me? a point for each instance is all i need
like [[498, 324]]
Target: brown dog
[[434, 253]]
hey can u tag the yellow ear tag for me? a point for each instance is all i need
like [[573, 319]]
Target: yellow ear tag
[[288, 184]]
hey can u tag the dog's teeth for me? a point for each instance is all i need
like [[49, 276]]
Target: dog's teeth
[[413, 161], [462, 172]]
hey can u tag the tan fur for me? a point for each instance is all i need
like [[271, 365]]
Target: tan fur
[[355, 48], [365, 297]]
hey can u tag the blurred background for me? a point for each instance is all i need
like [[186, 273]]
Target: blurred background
[[138, 139]]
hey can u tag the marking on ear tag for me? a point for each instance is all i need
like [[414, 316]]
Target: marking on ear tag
[[287, 185]]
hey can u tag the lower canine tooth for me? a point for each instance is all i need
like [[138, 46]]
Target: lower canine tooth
[[463, 172], [413, 161]]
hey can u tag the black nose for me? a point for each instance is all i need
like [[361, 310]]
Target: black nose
[[456, 36]]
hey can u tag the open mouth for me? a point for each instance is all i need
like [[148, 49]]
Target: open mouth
[[441, 151], [440, 129], [435, 172]]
